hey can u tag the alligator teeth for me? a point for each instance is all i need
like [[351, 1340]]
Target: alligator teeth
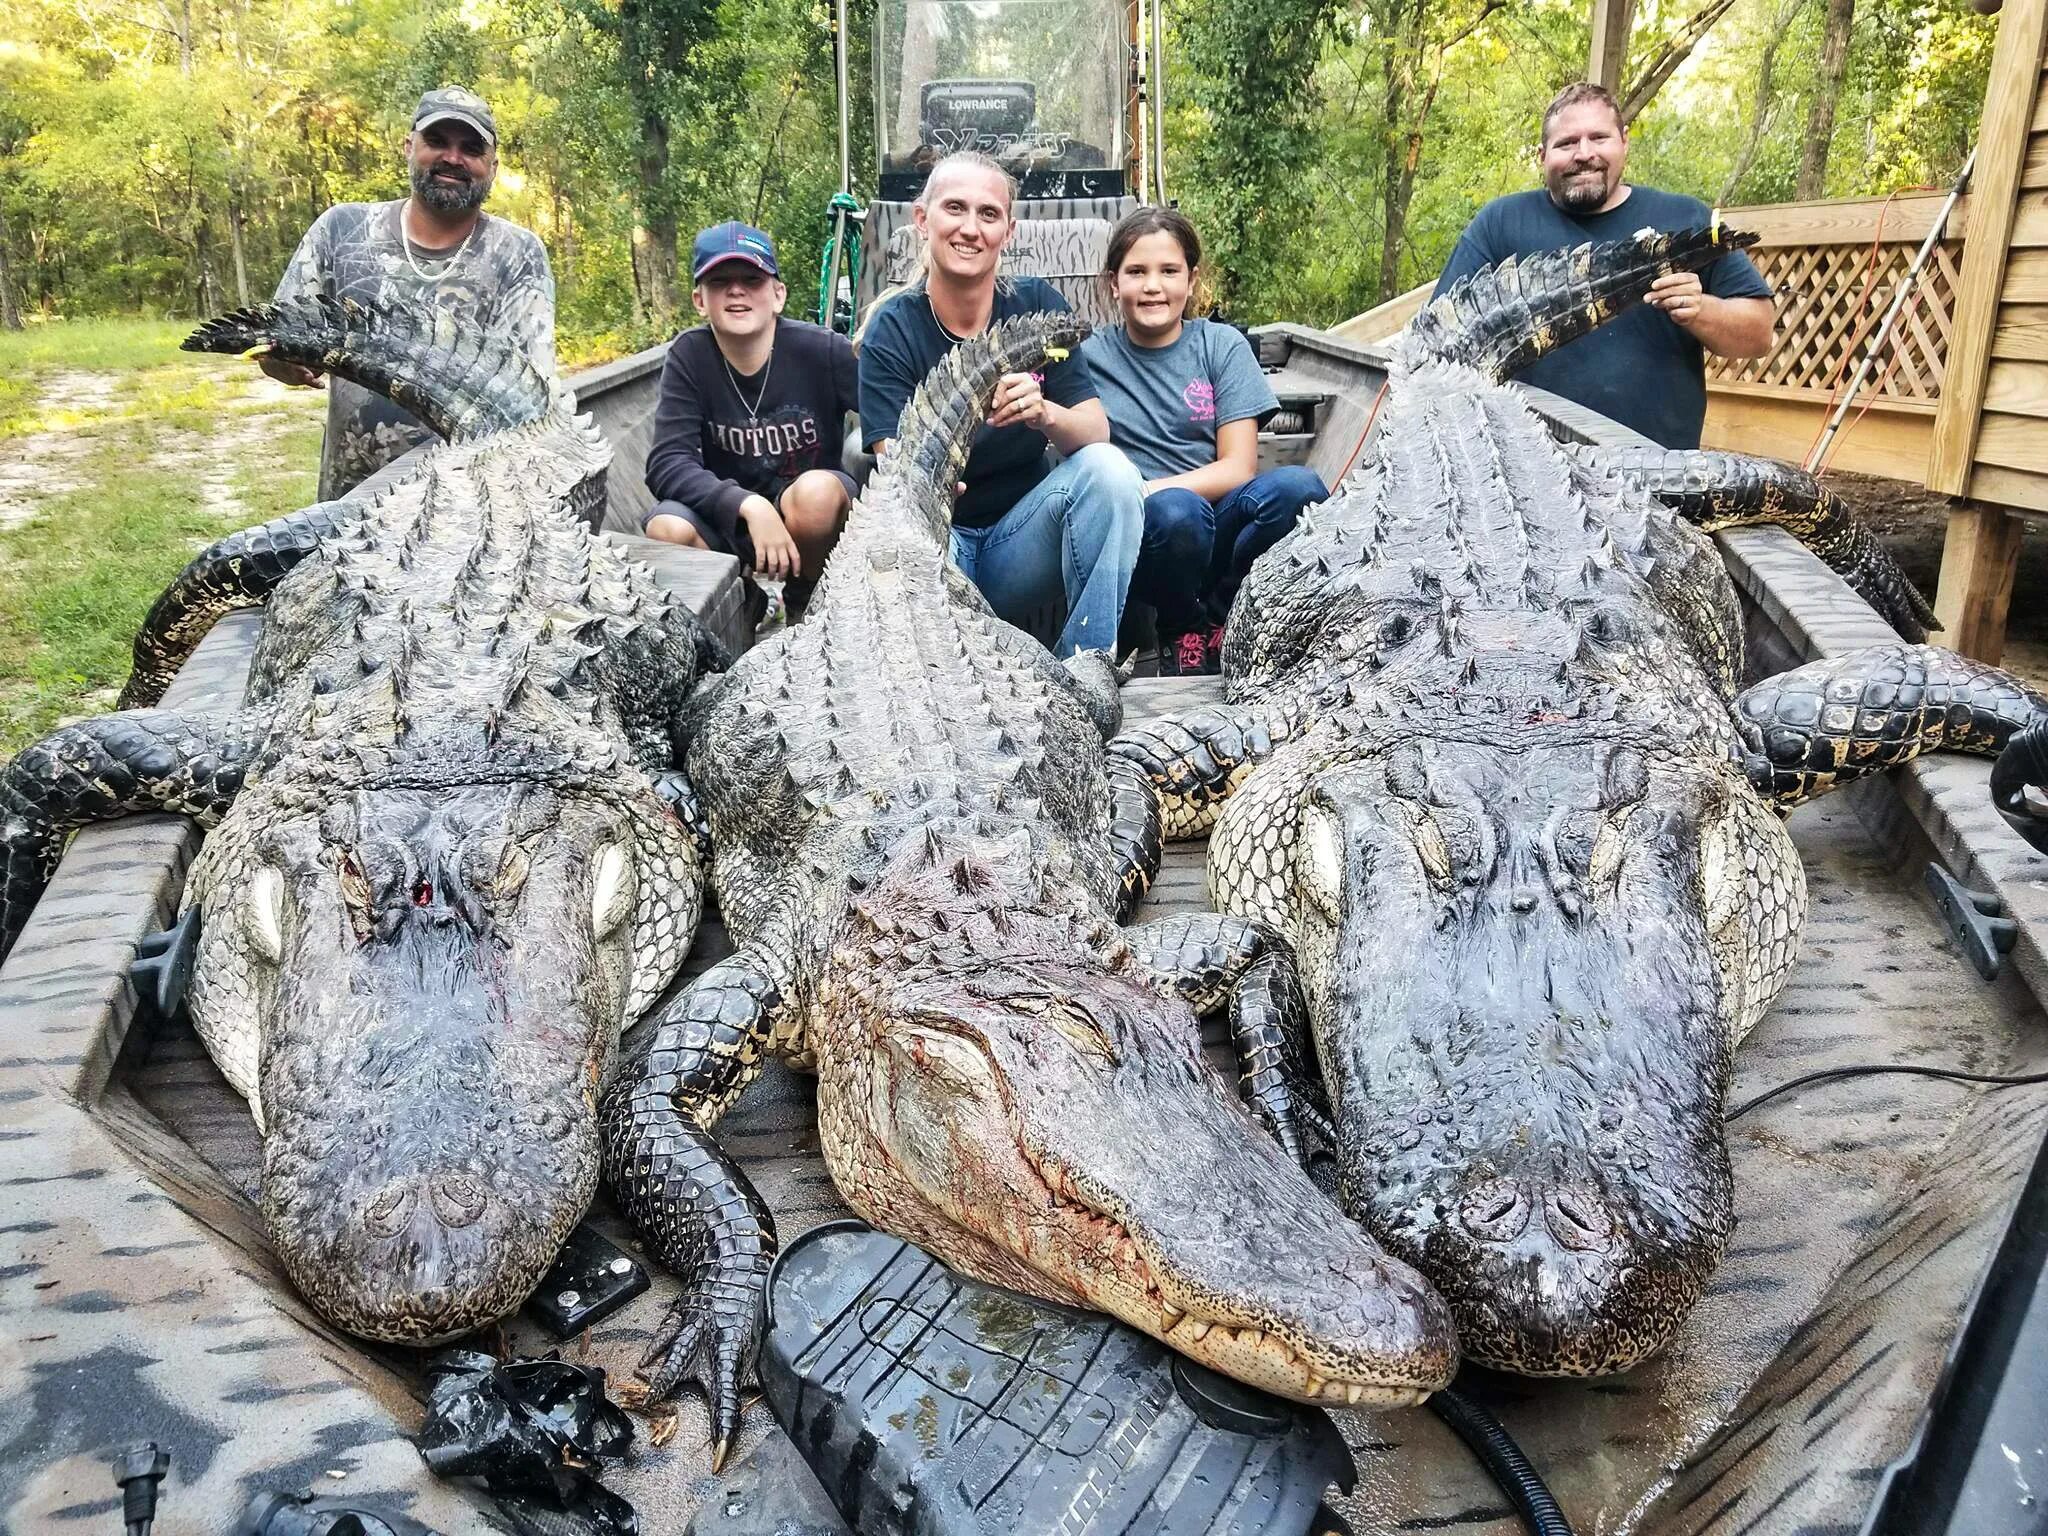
[[1169, 1317], [1314, 1385], [1353, 1393], [1193, 1331]]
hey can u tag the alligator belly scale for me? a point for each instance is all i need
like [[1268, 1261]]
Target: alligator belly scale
[[1486, 762], [922, 852], [440, 877]]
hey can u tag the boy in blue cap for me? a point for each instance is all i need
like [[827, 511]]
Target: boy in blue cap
[[745, 458]]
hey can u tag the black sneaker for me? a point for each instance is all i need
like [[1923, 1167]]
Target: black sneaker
[[1185, 654], [1212, 641]]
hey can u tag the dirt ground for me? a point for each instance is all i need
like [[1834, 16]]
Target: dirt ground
[[1912, 522]]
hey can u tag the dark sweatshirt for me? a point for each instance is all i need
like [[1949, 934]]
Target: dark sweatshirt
[[709, 454]]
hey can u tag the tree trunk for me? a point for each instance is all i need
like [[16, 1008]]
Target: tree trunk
[[235, 221], [1643, 90], [1765, 106], [657, 220], [10, 312], [208, 292], [1396, 189], [1820, 120]]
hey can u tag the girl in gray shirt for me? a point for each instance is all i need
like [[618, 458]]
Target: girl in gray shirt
[[1185, 400]]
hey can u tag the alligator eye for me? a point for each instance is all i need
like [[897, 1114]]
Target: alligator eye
[[939, 1060], [266, 914], [611, 893]]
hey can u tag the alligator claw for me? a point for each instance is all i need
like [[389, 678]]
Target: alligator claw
[[1286, 1110], [706, 1341]]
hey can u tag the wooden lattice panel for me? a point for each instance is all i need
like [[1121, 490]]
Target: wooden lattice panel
[[1831, 299]]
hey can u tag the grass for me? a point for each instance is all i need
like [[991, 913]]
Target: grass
[[79, 573]]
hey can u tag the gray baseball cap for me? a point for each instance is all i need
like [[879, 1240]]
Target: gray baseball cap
[[464, 106]]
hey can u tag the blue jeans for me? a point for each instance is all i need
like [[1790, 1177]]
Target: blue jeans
[[1251, 520], [1060, 560], [1195, 553], [1173, 562]]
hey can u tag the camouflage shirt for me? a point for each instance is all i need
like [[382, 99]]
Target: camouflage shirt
[[358, 251]]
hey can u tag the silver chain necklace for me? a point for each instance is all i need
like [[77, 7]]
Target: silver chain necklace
[[405, 244], [753, 411]]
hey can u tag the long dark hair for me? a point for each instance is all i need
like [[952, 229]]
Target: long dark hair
[[1140, 222]]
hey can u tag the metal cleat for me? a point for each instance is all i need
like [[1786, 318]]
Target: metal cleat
[[1976, 918], [163, 963]]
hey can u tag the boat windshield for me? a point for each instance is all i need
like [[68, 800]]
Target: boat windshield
[[1040, 85]]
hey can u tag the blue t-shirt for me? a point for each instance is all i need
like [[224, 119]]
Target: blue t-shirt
[[1640, 369], [904, 343], [1165, 403]]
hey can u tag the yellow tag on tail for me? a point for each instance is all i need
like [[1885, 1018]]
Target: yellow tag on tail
[[1056, 354], [261, 349]]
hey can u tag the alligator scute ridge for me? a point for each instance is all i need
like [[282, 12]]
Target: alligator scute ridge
[[440, 877], [1487, 763]]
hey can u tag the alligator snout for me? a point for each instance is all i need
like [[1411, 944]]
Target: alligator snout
[[1573, 1215], [424, 1258]]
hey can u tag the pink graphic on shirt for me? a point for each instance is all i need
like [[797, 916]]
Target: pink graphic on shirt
[[1200, 399]]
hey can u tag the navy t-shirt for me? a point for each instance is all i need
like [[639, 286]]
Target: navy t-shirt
[[1640, 369], [904, 343], [720, 436]]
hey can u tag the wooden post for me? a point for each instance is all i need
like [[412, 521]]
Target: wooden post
[[1973, 452], [1994, 195], [1978, 558], [1608, 55]]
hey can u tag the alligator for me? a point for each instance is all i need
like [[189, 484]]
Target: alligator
[[1486, 761], [925, 857], [449, 855]]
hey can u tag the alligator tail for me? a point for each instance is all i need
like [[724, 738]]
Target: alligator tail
[[939, 424], [461, 380], [1732, 490], [1503, 318]]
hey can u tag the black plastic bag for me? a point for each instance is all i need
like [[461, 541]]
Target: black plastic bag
[[534, 1431]]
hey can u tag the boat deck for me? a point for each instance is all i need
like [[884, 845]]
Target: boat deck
[[139, 1300], [1864, 1208]]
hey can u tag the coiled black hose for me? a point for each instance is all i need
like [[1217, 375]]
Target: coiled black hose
[[1489, 1440]]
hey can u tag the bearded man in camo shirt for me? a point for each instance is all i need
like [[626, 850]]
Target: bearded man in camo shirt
[[436, 246]]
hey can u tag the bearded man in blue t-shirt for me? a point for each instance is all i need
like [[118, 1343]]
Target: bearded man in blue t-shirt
[[1646, 369]]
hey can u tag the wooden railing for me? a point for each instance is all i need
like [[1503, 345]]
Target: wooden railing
[[1837, 266]]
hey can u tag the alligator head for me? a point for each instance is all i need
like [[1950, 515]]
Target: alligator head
[[1002, 1084], [420, 990], [1528, 968]]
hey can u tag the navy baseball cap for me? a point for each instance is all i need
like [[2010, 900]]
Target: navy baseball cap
[[463, 106], [732, 241]]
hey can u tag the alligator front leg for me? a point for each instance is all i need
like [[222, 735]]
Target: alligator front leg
[[1734, 490], [1195, 760], [698, 1212], [96, 770], [1133, 832], [1209, 958], [239, 571], [1809, 730]]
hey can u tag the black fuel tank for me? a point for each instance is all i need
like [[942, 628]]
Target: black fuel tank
[[931, 1405]]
